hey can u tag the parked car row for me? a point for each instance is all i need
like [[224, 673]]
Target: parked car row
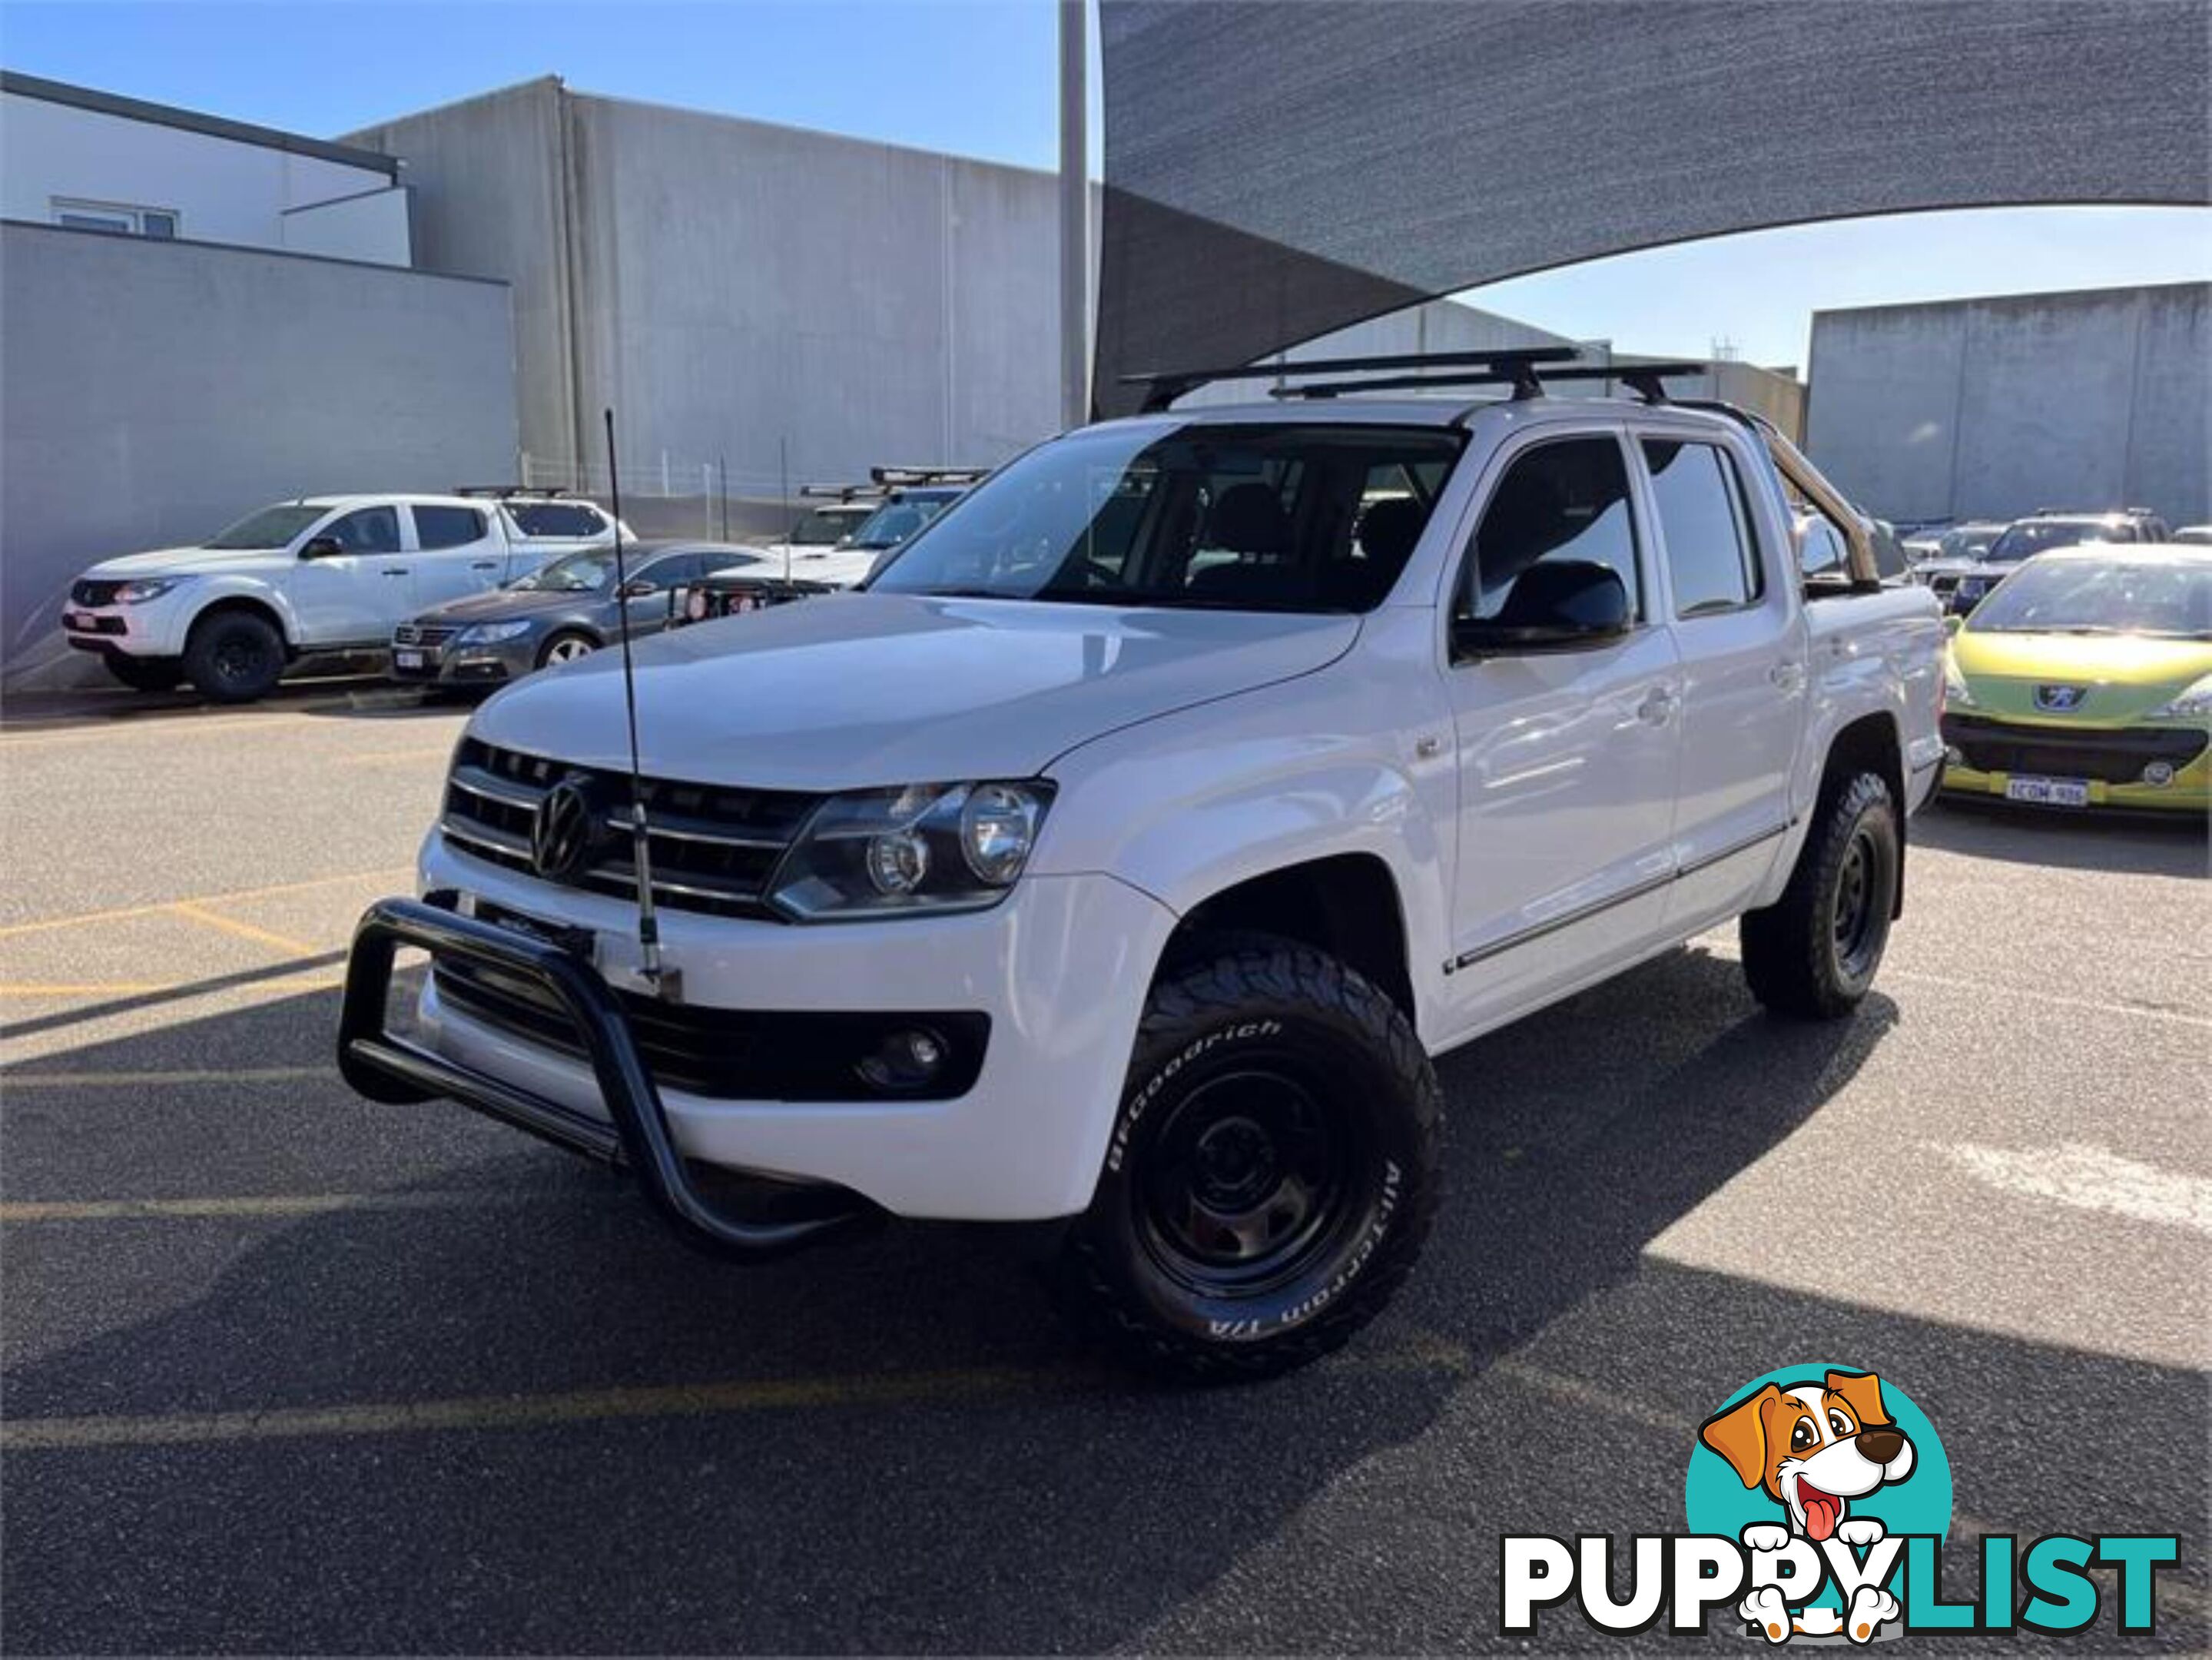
[[1966, 573], [316, 576], [475, 587]]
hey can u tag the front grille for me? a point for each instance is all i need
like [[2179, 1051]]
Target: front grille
[[423, 634], [94, 594], [2115, 755], [714, 848], [729, 1054]]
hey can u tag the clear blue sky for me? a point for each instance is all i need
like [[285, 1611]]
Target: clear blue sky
[[977, 77]]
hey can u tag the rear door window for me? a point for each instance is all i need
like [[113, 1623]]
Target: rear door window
[[1705, 526], [446, 527]]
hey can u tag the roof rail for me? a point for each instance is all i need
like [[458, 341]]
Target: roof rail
[[1163, 388], [895, 476], [503, 491], [1526, 381], [840, 492]]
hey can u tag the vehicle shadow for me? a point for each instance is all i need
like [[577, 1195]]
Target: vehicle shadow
[[1539, 1374], [347, 688], [2140, 845]]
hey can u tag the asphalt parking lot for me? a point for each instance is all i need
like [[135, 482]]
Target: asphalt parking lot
[[285, 1372]]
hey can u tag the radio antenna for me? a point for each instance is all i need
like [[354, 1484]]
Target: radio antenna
[[665, 981]]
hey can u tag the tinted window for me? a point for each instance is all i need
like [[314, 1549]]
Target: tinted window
[[723, 559], [372, 529], [555, 518], [1710, 553], [271, 528], [448, 528], [1558, 502], [1236, 518]]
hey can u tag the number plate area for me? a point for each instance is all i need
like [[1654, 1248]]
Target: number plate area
[[2048, 791]]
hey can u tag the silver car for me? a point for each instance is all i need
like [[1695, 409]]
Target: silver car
[[559, 612]]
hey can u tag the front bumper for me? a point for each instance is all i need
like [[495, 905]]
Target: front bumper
[[1985, 754], [1059, 971], [450, 664], [154, 628]]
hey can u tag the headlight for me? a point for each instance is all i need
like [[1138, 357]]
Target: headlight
[[153, 587], [934, 847], [2194, 704], [1956, 693], [490, 634]]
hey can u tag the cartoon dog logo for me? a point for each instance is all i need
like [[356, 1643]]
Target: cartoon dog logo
[[1813, 1447]]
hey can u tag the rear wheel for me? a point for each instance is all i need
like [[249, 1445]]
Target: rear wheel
[[1813, 953], [1271, 1174], [566, 648], [234, 656], [146, 674]]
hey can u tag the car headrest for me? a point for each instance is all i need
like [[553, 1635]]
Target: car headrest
[[1249, 518], [1388, 529]]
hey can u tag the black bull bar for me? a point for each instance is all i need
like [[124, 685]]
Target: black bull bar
[[634, 1136]]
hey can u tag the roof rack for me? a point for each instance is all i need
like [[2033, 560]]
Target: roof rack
[[1524, 368], [840, 492], [889, 477], [544, 493], [1642, 378]]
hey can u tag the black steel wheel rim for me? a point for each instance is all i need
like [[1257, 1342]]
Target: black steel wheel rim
[[1858, 905], [239, 658], [1249, 1182]]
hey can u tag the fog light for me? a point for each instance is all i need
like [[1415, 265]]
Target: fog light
[[908, 1059], [2159, 773]]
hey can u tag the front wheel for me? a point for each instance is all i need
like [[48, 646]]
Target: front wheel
[[566, 648], [234, 656], [1271, 1174], [1813, 953]]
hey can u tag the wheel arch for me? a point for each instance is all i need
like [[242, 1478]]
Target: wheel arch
[[1873, 742], [1345, 904], [266, 606]]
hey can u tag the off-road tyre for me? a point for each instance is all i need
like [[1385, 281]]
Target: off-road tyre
[[145, 673], [1812, 954], [1261, 1062], [234, 656]]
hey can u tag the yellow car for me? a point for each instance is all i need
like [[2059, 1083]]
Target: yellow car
[[2085, 680]]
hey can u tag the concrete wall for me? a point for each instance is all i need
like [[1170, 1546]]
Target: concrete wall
[[1993, 408], [150, 393], [729, 285], [223, 189]]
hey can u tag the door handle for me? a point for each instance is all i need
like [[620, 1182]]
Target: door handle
[[485, 564], [1787, 675], [1658, 703], [395, 571]]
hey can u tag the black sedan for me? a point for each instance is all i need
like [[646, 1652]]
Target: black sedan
[[561, 610]]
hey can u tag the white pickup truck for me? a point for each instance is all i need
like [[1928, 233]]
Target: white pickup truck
[[1127, 850], [323, 575]]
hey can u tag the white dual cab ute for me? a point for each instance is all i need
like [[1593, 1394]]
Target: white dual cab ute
[[1127, 851], [323, 574]]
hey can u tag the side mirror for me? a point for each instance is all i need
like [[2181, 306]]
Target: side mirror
[[1551, 607], [322, 547], [639, 586], [1819, 550], [1952, 622]]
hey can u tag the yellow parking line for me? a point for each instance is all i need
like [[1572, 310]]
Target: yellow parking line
[[161, 988], [231, 924], [160, 905], [506, 1412], [155, 1080], [275, 1204]]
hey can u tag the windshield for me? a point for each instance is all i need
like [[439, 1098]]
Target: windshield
[[2032, 536], [574, 573], [823, 528], [893, 522], [1966, 544], [271, 528], [2101, 596], [1297, 517]]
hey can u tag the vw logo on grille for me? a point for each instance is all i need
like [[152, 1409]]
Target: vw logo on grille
[[565, 830], [2060, 700]]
